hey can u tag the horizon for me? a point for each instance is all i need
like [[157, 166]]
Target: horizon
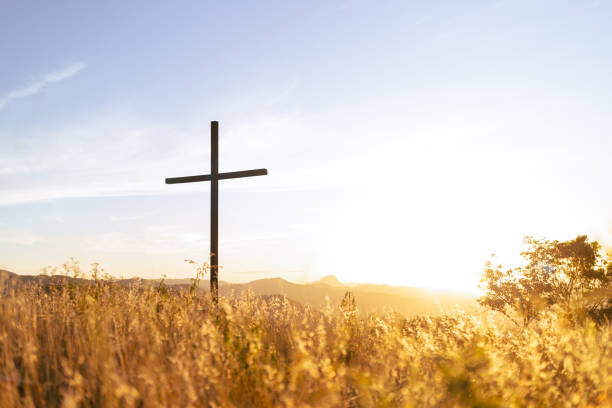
[[206, 278], [361, 287], [404, 152]]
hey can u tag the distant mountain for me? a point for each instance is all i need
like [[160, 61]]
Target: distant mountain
[[407, 301], [6, 275], [370, 298], [330, 280], [329, 290], [8, 280]]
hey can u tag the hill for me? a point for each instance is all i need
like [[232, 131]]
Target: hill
[[8, 279], [370, 298], [126, 347], [6, 274], [330, 280]]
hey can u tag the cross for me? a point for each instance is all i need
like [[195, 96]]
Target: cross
[[214, 178]]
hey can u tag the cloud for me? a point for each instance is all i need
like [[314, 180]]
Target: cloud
[[20, 238], [36, 87], [133, 217], [152, 240], [119, 155]]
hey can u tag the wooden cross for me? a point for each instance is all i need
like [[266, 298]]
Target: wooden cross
[[214, 178]]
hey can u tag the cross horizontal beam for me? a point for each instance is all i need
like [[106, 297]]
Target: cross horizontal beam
[[220, 176]]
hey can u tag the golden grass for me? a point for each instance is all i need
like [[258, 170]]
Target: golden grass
[[105, 345]]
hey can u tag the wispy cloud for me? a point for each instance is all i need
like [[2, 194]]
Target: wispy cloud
[[36, 87], [20, 238], [133, 217]]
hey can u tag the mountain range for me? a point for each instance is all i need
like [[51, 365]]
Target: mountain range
[[408, 301]]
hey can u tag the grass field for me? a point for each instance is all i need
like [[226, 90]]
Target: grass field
[[104, 345]]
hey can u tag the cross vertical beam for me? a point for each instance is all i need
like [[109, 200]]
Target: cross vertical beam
[[214, 210]]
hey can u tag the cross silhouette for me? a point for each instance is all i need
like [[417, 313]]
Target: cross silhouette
[[214, 178]]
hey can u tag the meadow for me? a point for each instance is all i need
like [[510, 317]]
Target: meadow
[[101, 344]]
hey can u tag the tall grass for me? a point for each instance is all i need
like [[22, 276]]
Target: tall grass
[[105, 345]]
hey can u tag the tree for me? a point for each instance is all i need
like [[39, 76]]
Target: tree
[[555, 273]]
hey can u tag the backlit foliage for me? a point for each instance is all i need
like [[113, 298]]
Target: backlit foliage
[[72, 343], [562, 274]]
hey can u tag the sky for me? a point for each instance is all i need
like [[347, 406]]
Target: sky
[[405, 141]]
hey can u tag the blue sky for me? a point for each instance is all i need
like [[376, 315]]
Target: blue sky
[[405, 141]]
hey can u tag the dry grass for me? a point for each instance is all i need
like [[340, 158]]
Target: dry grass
[[105, 345]]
